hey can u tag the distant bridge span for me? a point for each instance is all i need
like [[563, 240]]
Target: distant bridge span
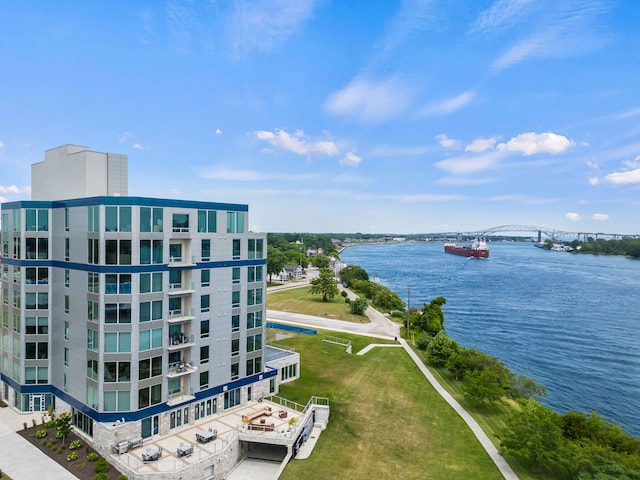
[[548, 232]]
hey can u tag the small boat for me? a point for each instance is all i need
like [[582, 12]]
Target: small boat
[[478, 249]]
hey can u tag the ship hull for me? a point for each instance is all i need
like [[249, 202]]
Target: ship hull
[[466, 251]]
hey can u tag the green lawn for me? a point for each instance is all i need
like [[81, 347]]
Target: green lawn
[[386, 420], [300, 300]]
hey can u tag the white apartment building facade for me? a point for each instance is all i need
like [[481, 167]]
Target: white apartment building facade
[[128, 309]]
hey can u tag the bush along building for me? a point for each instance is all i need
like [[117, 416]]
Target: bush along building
[[139, 316]]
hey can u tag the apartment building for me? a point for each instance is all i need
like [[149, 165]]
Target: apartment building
[[127, 309]]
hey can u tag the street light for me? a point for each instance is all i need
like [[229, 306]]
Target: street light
[[408, 309]]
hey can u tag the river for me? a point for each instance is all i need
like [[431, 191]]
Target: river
[[570, 322]]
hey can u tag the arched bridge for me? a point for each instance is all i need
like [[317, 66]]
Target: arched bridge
[[544, 231]]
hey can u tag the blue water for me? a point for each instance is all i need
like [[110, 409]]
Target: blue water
[[570, 322]]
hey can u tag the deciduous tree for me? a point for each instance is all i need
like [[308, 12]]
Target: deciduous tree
[[325, 284]]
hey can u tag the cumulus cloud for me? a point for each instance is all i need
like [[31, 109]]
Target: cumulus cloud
[[218, 131], [446, 142], [1, 144], [449, 105], [624, 178], [531, 143], [125, 137], [370, 101], [593, 181], [572, 216], [601, 217], [481, 144], [351, 159], [137, 146], [297, 143], [13, 190]]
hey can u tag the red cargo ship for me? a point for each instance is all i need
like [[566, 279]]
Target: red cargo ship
[[478, 249]]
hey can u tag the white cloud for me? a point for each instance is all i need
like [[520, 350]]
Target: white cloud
[[450, 105], [521, 199], [481, 144], [221, 173], [124, 137], [601, 217], [446, 142], [465, 164], [593, 181], [297, 143], [459, 181], [370, 101], [351, 159], [263, 26], [502, 14], [137, 146], [624, 178], [412, 17], [573, 216], [1, 144], [13, 190], [218, 131], [531, 143]]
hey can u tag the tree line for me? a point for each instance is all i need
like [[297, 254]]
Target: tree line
[[575, 445]]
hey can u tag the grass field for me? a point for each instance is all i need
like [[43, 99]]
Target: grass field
[[386, 420], [300, 300]]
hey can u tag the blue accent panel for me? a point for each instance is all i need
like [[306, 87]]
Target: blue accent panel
[[137, 415], [291, 328], [140, 201], [85, 267]]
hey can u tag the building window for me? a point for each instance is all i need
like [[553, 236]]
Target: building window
[[66, 357], [36, 220], [117, 371], [254, 274], [66, 219], [232, 397], [34, 300], [204, 354], [150, 311], [38, 375], [117, 342], [117, 219], [92, 311], [254, 296], [117, 252], [92, 369], [254, 365], [235, 222], [150, 219], [36, 325], [235, 275], [37, 248], [151, 282], [236, 249], [66, 277], [149, 339], [149, 396], [205, 278], [235, 371], [93, 282], [92, 340], [235, 323], [36, 350], [93, 219], [288, 372], [93, 251], [175, 252], [204, 380], [235, 347], [235, 299], [150, 252], [204, 328], [66, 330], [66, 304], [180, 222], [254, 319], [36, 276], [115, 284], [117, 313], [118, 401], [206, 250], [207, 221], [254, 342], [150, 367], [255, 248], [204, 303]]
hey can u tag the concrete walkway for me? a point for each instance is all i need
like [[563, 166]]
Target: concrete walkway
[[21, 460]]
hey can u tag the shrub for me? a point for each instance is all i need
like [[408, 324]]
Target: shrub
[[423, 341], [344, 294], [123, 477], [358, 306], [93, 456], [72, 456], [82, 466], [49, 424], [102, 476], [102, 466], [33, 420], [24, 425], [41, 433], [76, 444]]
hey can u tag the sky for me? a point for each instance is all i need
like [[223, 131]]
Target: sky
[[408, 116]]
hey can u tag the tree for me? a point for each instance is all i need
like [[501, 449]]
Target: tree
[[275, 261], [525, 387], [353, 272], [359, 306], [483, 385], [320, 261], [325, 284], [440, 349], [533, 433], [63, 425]]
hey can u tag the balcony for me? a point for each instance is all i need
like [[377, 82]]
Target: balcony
[[179, 341], [179, 316], [178, 289], [177, 398], [179, 369], [181, 261]]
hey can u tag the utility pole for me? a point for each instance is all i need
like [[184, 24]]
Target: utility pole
[[408, 309]]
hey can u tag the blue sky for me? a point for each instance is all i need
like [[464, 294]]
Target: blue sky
[[340, 116]]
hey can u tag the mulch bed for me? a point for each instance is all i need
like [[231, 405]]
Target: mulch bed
[[86, 472]]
